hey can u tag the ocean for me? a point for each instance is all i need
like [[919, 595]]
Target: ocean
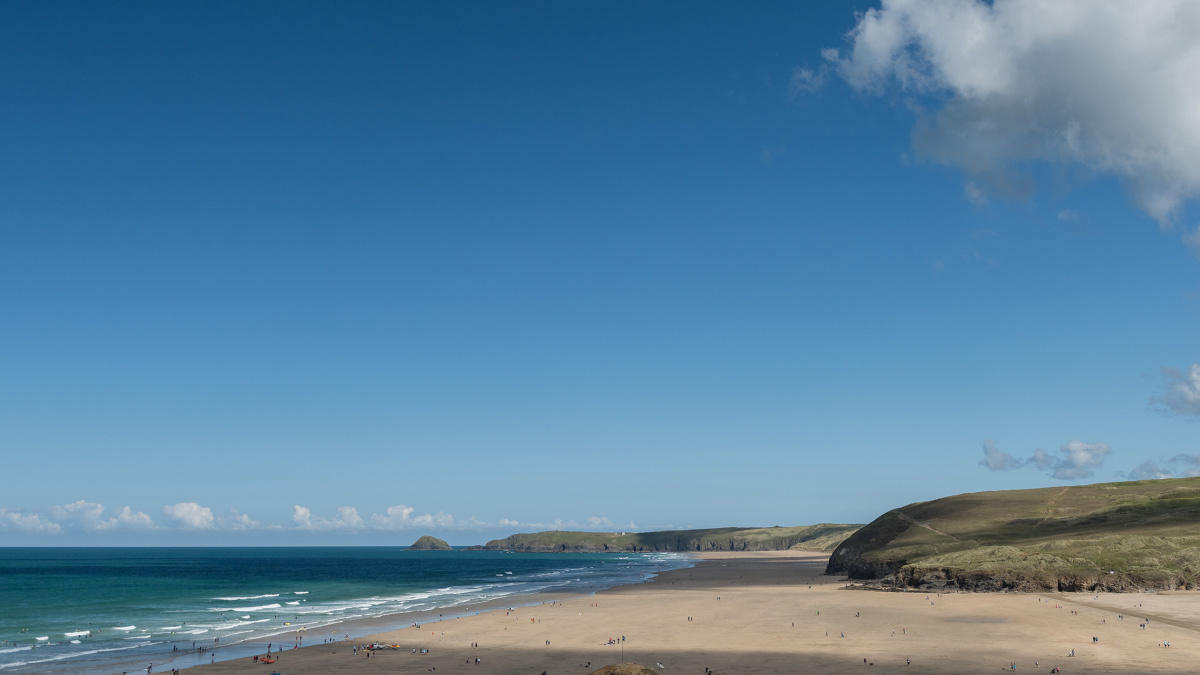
[[112, 610]]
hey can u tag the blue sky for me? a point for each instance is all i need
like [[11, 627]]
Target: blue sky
[[506, 267]]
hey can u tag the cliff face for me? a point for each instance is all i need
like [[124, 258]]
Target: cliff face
[[1106, 537], [428, 543], [848, 558], [810, 537]]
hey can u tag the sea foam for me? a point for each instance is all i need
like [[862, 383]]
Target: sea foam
[[259, 608], [72, 655]]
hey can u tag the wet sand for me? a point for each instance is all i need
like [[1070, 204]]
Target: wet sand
[[775, 612]]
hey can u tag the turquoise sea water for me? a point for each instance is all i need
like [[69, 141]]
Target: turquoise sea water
[[110, 610]]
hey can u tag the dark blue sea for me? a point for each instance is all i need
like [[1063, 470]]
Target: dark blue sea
[[111, 610]]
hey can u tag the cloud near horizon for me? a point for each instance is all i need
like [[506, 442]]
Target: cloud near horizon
[[397, 517], [89, 517], [80, 516], [1179, 466], [1106, 84], [190, 515], [1075, 459], [28, 522]]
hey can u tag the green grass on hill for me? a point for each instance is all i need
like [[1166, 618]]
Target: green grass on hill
[[1113, 536]]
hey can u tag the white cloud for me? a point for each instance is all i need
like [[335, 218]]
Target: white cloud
[[600, 523], [400, 518], [807, 80], [302, 516], [347, 519], [395, 518], [1147, 471], [1188, 465], [1178, 466], [556, 524], [996, 459], [134, 519], [191, 515], [1183, 391], [1076, 460], [974, 194], [85, 515], [1108, 84], [30, 522], [239, 521]]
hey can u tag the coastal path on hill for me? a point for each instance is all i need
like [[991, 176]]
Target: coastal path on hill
[[920, 523]]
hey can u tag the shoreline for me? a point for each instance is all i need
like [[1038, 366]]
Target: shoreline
[[353, 631], [776, 612]]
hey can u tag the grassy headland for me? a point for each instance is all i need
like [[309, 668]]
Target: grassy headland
[[1109, 536], [823, 537]]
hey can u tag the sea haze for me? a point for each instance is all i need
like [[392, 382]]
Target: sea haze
[[104, 610]]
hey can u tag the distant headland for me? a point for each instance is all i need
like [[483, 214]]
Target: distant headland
[[823, 537]]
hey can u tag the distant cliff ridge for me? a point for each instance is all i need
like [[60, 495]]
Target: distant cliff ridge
[[1126, 536], [823, 537], [428, 543]]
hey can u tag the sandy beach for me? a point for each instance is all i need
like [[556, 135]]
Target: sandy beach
[[775, 612]]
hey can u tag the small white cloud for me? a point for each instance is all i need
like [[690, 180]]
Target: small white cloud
[[996, 459], [597, 523], [556, 524], [82, 514], [395, 518], [302, 517], [1068, 216], [1192, 239], [1182, 396], [974, 194], [1189, 465], [29, 522], [808, 80], [1178, 466], [137, 520], [239, 521], [347, 519], [190, 515], [1147, 471], [400, 518], [1076, 460]]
